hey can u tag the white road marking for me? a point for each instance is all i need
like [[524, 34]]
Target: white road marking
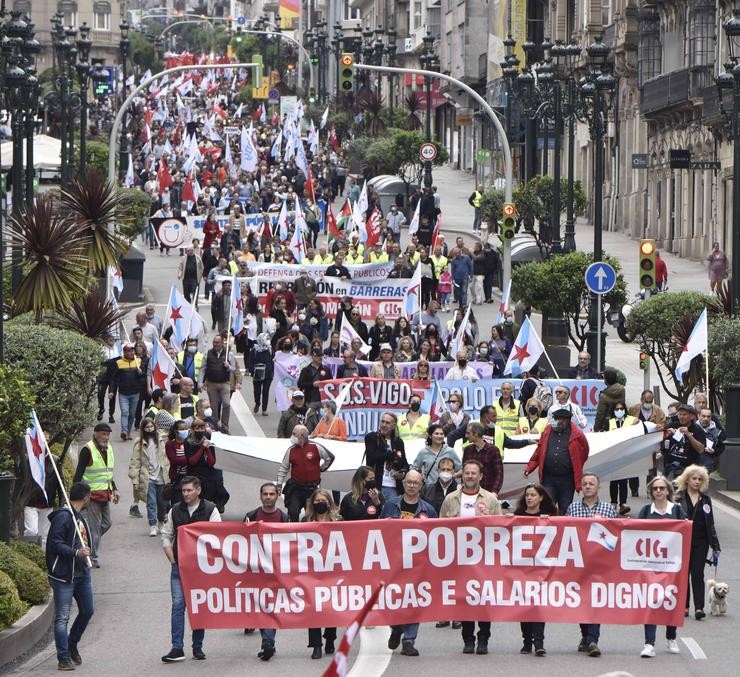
[[693, 646], [374, 655]]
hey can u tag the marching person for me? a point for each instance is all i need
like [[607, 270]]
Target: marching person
[[413, 424], [297, 414], [562, 401], [386, 453], [436, 447], [69, 574], [302, 465], [190, 509], [408, 505], [559, 457], [488, 455], [660, 490], [591, 507], [267, 512], [365, 500], [216, 374], [95, 466], [437, 492], [149, 470], [471, 500]]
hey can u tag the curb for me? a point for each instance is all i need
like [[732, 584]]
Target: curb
[[28, 631]]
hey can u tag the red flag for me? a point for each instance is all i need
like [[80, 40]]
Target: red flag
[[275, 119], [266, 229], [188, 194], [148, 115], [256, 114], [309, 185], [435, 235], [163, 175], [338, 667], [332, 138], [219, 111], [331, 223], [372, 226]]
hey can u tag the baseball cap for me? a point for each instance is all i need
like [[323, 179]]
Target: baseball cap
[[687, 407], [297, 393], [385, 346]]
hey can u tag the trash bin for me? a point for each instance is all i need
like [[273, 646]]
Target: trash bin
[[132, 270], [7, 480]]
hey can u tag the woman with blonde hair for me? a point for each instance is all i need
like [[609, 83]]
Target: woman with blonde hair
[[320, 507], [365, 500], [422, 371], [692, 485], [532, 423]]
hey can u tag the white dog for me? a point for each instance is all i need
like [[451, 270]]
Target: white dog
[[718, 592]]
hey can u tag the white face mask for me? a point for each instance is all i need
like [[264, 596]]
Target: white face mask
[[208, 412], [445, 476], [619, 413], [294, 439]]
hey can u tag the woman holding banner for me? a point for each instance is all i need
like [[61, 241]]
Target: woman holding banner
[[320, 507], [533, 502], [660, 491]]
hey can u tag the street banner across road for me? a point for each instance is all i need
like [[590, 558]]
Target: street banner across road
[[364, 272], [503, 569]]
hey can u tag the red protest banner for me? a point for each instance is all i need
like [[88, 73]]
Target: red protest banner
[[501, 568]]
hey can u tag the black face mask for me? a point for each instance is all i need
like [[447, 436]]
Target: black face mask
[[321, 508], [415, 406], [462, 363], [371, 484], [533, 410], [287, 346], [199, 434]]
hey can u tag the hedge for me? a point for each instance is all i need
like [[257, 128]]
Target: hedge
[[30, 581], [34, 552], [11, 607]]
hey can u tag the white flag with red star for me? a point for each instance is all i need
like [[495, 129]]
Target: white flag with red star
[[36, 449], [161, 367], [525, 352]]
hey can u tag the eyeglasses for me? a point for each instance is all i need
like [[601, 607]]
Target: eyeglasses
[[660, 488]]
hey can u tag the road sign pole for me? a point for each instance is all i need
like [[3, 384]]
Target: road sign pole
[[599, 330]]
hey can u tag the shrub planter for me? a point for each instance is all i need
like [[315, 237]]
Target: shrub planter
[[23, 635]]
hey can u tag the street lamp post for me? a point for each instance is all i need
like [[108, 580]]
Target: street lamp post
[[597, 92], [337, 44], [83, 78], [71, 34], [31, 91], [427, 60], [573, 52], [391, 56], [124, 47]]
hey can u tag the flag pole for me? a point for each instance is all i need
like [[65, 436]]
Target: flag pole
[[168, 355], [341, 404], [228, 326]]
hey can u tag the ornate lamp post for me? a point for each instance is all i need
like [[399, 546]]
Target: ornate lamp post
[[572, 54], [123, 151], [597, 92], [72, 100], [427, 61], [390, 51], [83, 78], [31, 91], [337, 44]]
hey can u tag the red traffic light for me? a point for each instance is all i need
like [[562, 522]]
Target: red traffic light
[[643, 356]]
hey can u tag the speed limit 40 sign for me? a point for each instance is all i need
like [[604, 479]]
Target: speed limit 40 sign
[[427, 152]]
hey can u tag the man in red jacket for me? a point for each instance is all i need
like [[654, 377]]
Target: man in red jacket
[[560, 455]]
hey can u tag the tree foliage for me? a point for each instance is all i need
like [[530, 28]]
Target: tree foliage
[[143, 53], [724, 353], [655, 322], [558, 286], [132, 213], [16, 401]]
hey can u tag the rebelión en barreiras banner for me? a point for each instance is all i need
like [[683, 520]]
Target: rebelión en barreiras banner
[[497, 568]]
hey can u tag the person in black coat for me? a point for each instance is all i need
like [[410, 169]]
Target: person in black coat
[[386, 454], [445, 484], [379, 333], [692, 485], [259, 364], [365, 500]]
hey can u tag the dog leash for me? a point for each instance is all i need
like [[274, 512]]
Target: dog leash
[[714, 562]]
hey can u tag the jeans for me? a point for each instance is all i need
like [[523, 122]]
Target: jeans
[[477, 214], [97, 515], [460, 288], [590, 632], [409, 631], [156, 505], [268, 635], [561, 490], [79, 589], [488, 281], [389, 492], [128, 410], [189, 290], [178, 614], [651, 630], [477, 289]]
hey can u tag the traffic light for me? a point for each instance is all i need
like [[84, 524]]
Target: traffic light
[[644, 361], [647, 264], [347, 74], [508, 224]]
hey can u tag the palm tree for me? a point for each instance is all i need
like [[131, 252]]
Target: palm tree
[[413, 104], [54, 268], [92, 203], [94, 316], [372, 103]]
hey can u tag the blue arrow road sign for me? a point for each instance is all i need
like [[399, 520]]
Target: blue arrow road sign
[[600, 278], [241, 21]]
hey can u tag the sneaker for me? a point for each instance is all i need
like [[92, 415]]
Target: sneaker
[[469, 647], [316, 653], [74, 654], [624, 509], [526, 648], [198, 654], [264, 413], [593, 650], [160, 525], [256, 408], [267, 651], [134, 511], [100, 415], [699, 614], [671, 646], [248, 631], [409, 649], [394, 641], [482, 647], [153, 531], [456, 625], [648, 651], [111, 419], [540, 652], [442, 624], [174, 656], [66, 664], [583, 645]]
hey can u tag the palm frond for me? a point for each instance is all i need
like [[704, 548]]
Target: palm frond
[[92, 203], [93, 316], [372, 103], [54, 267], [413, 104]]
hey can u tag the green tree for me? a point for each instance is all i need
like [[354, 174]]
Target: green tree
[[97, 155], [143, 53], [655, 322], [557, 286], [724, 353], [132, 212], [16, 402]]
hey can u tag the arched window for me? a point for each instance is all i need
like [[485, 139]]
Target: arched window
[[69, 9], [101, 16], [649, 51]]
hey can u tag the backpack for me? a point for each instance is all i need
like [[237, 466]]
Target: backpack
[[543, 393]]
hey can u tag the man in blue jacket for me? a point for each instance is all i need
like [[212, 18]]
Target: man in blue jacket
[[461, 267], [67, 553]]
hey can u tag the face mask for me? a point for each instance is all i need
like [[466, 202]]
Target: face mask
[[199, 434], [295, 327], [445, 476], [533, 410], [371, 484], [647, 405], [192, 349], [415, 406], [491, 426], [182, 434], [294, 439], [321, 508], [301, 317], [462, 363], [555, 425], [484, 351], [287, 346], [619, 413], [208, 412]]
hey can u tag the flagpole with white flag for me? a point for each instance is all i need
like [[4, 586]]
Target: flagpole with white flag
[[697, 343], [339, 401]]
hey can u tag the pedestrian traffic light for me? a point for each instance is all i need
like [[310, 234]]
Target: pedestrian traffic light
[[508, 223], [647, 264], [347, 74], [644, 361]]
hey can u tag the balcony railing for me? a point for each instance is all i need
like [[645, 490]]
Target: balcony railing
[[674, 89]]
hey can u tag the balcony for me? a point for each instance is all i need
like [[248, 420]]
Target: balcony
[[677, 89]]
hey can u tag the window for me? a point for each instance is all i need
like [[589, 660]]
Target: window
[[69, 9], [649, 49], [418, 14], [702, 35], [101, 16], [350, 13], [606, 12]]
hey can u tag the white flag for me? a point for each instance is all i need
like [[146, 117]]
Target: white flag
[[527, 349], [347, 334], [414, 225], [249, 158], [696, 345], [324, 118]]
